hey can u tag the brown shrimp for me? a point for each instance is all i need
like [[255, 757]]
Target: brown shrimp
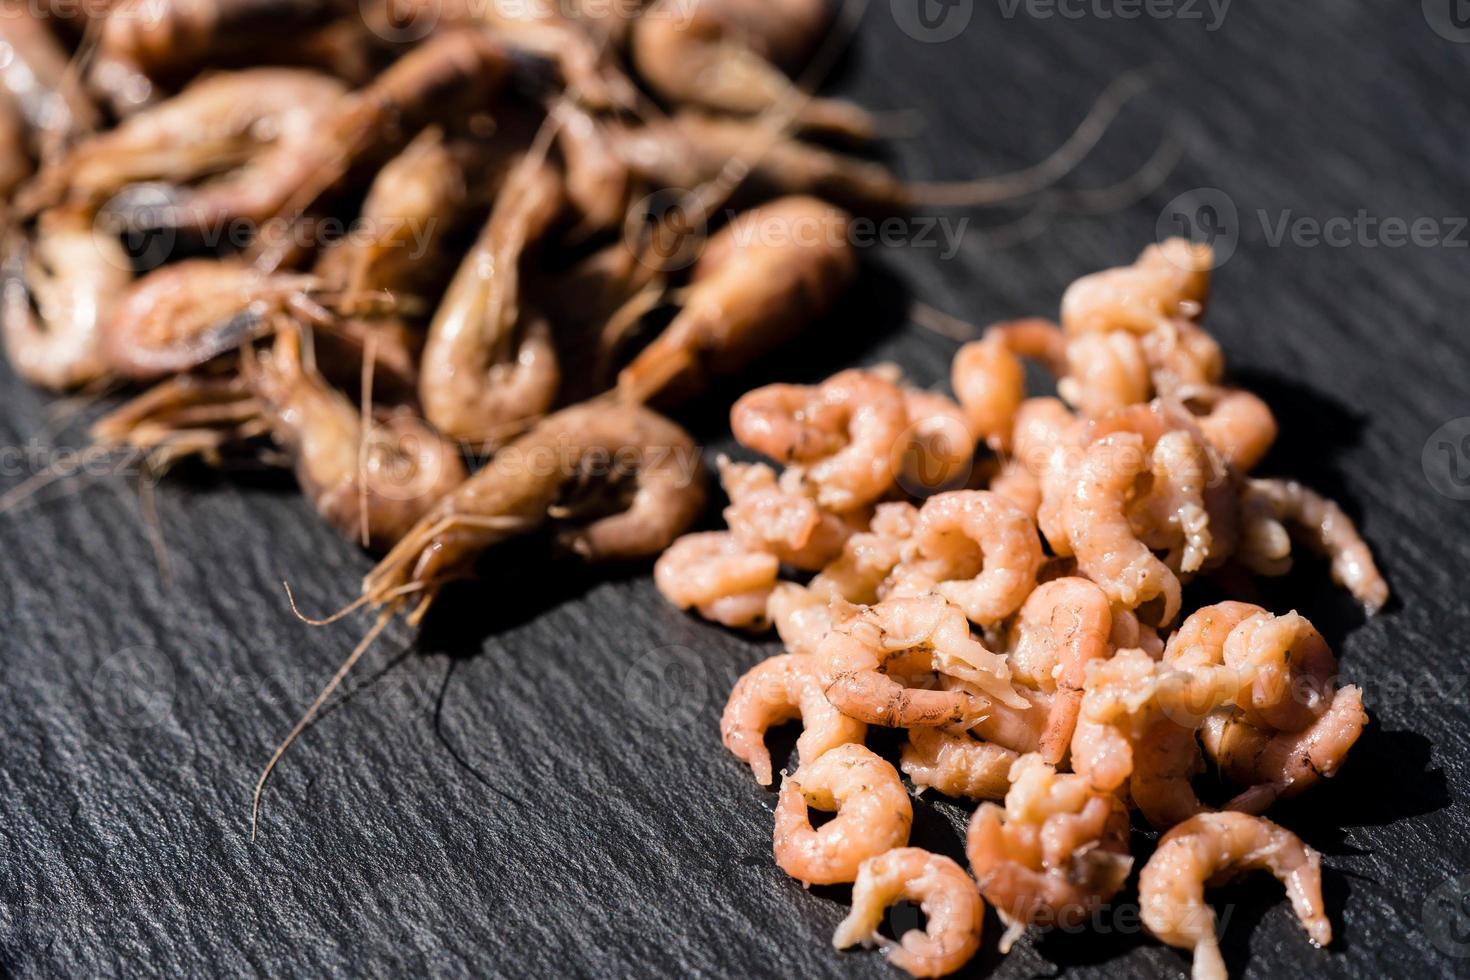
[[61, 286], [1211, 848], [1107, 549], [370, 480], [208, 147], [37, 73], [723, 55], [764, 277], [721, 576], [947, 895], [15, 160], [990, 381], [1053, 853], [1274, 764], [841, 433], [782, 520], [184, 314], [489, 364], [957, 764], [873, 815], [780, 689], [977, 550], [648, 463], [1327, 530], [861, 658], [1063, 626]]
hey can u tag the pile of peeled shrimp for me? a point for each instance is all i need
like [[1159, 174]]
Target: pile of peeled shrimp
[[435, 258], [1003, 577]]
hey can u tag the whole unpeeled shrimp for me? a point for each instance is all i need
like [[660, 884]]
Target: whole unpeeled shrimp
[[61, 285], [781, 689], [1101, 536], [990, 381], [1168, 279], [1210, 849], [841, 433], [1326, 529], [947, 895], [624, 459], [719, 54], [374, 482], [976, 549], [782, 520], [722, 577], [762, 279], [957, 764], [37, 73], [1275, 764], [861, 658], [1063, 625], [1053, 853], [489, 365], [873, 815]]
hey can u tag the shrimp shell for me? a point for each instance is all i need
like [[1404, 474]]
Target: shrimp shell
[[780, 689], [874, 815], [1209, 849], [947, 895]]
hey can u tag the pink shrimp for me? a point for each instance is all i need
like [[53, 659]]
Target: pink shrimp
[[976, 549], [947, 895], [1053, 853], [1168, 279], [719, 575], [869, 557], [957, 765], [842, 433], [990, 381], [1211, 848], [1105, 371], [873, 815], [909, 638], [780, 689], [1238, 424], [783, 521], [938, 452]]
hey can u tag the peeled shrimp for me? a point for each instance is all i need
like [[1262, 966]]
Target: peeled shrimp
[[375, 482], [842, 433], [990, 381], [978, 550], [910, 638], [778, 690], [1105, 371], [957, 765], [722, 577], [940, 448], [873, 815], [1274, 764], [762, 279], [801, 617], [1166, 758], [489, 365], [1053, 853], [947, 895], [781, 520], [645, 464], [1287, 667], [1210, 849], [1182, 358], [1107, 550], [61, 285], [1063, 625], [1167, 280], [1200, 639], [1327, 530], [869, 557], [1238, 424]]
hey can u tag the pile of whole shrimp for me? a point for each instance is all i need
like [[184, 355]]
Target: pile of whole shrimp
[[1023, 622], [381, 243]]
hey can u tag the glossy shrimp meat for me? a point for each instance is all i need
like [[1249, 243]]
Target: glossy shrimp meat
[[863, 659], [781, 689], [873, 815], [1210, 849], [782, 520], [989, 379], [957, 765], [943, 890], [716, 573]]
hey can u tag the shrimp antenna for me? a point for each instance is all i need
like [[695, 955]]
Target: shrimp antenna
[[384, 618], [331, 618], [1039, 176]]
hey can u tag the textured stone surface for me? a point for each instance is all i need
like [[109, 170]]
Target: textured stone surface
[[538, 786]]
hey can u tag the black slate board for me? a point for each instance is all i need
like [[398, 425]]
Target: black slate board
[[538, 787]]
